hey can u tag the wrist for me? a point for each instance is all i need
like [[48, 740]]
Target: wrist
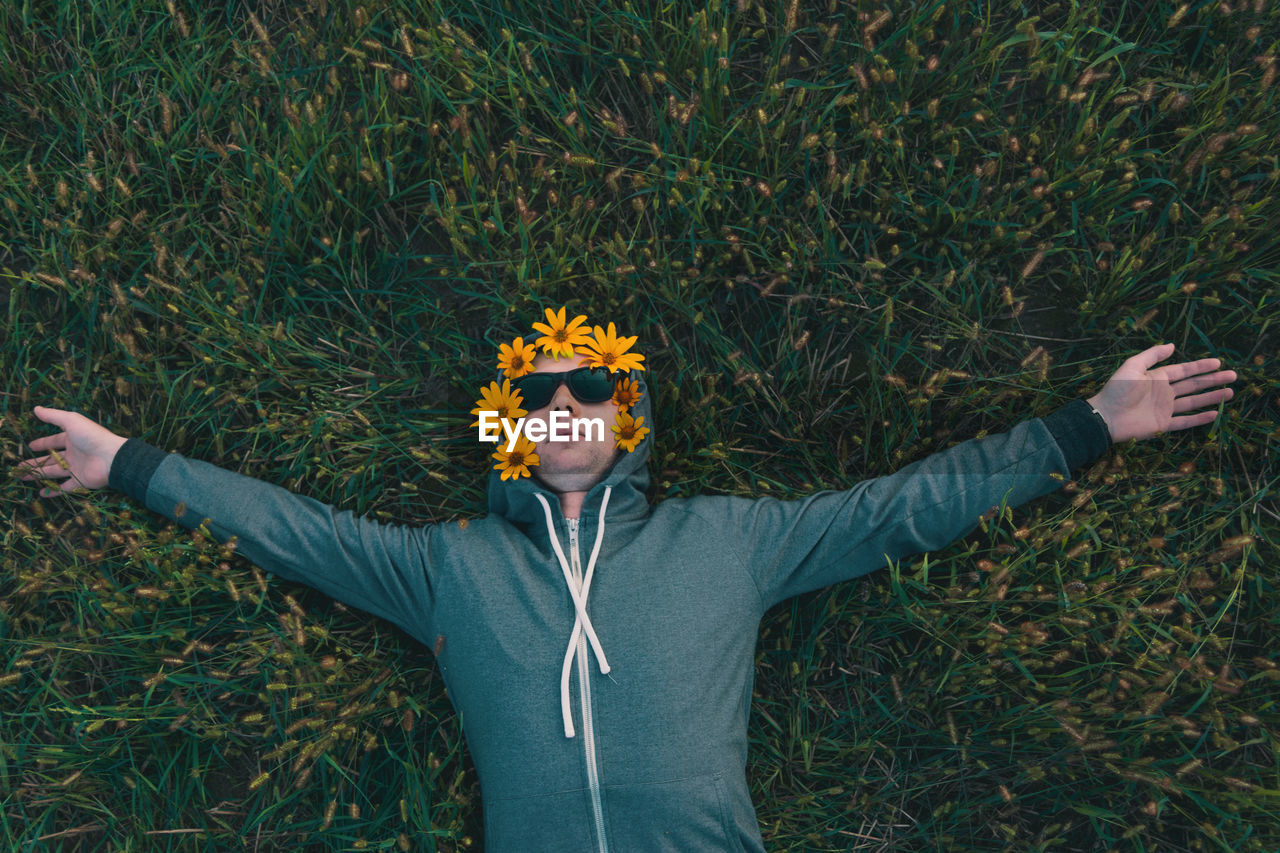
[[113, 449], [1100, 413]]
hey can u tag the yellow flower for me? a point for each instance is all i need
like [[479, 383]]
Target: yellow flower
[[516, 359], [630, 432], [558, 338], [501, 399], [516, 464], [627, 394], [608, 350]]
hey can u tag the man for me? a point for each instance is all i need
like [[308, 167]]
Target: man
[[649, 614]]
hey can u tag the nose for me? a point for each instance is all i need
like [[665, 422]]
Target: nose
[[562, 399]]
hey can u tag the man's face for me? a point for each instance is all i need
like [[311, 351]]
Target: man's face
[[574, 465]]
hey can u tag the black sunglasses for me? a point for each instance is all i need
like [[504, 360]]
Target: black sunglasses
[[587, 384]]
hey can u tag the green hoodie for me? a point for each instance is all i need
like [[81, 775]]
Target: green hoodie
[[651, 755]]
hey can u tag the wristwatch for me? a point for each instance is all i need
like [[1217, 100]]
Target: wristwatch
[[1101, 419]]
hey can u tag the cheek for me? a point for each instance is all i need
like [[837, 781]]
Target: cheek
[[606, 412]]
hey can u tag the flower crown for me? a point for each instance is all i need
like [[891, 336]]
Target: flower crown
[[604, 348]]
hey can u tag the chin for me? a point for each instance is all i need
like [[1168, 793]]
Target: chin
[[560, 482], [574, 471]]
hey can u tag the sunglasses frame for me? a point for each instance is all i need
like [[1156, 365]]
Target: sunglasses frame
[[566, 378]]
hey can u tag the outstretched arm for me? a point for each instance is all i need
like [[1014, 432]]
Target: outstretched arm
[[384, 569], [1141, 402], [792, 547]]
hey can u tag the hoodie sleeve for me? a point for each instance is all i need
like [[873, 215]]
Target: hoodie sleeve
[[793, 547], [379, 568]]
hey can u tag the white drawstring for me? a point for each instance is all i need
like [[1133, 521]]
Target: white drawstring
[[581, 621]]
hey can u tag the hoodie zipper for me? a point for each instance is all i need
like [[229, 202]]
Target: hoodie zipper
[[584, 669]]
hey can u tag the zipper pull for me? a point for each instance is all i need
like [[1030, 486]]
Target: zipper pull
[[573, 549]]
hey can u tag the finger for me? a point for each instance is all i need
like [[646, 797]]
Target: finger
[[1178, 372], [1211, 398], [1199, 383], [45, 442], [1189, 421], [70, 484], [57, 417], [1150, 356], [48, 471], [31, 467], [55, 461], [52, 463]]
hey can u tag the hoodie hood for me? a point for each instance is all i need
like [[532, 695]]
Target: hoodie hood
[[628, 479]]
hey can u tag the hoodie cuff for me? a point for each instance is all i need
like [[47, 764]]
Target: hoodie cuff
[[1080, 431], [133, 466]]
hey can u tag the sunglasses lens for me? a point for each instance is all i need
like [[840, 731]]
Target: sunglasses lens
[[591, 385], [536, 389]]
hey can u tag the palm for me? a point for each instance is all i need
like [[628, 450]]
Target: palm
[[83, 454]]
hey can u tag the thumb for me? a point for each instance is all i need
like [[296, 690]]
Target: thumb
[[57, 417], [1148, 357]]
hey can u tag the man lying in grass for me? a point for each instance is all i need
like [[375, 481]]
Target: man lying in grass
[[572, 566]]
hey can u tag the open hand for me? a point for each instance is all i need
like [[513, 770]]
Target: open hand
[[1141, 402], [82, 453]]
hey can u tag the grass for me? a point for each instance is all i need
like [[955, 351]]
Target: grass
[[286, 238]]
